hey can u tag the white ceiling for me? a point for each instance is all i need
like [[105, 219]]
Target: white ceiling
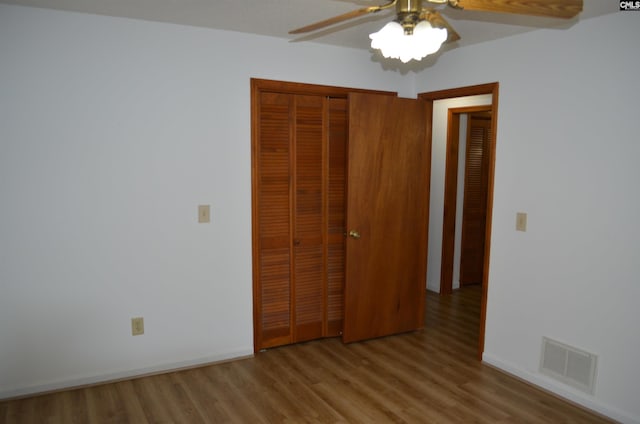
[[276, 17]]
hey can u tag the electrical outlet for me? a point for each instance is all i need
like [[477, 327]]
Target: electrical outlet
[[204, 215], [137, 326]]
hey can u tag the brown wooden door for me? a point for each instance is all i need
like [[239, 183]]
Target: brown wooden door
[[272, 226], [317, 281], [336, 213], [308, 218], [299, 198], [474, 210], [388, 205]]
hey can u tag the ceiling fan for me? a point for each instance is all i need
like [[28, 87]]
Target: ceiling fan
[[419, 29]]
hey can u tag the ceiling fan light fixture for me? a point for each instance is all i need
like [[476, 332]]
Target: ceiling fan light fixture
[[395, 42]]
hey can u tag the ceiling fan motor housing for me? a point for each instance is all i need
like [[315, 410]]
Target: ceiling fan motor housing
[[408, 14]]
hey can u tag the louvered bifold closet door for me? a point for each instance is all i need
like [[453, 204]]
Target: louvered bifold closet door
[[336, 213], [273, 205], [300, 170], [474, 212], [309, 257]]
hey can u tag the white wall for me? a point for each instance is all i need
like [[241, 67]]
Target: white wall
[[438, 162], [112, 131], [567, 154]]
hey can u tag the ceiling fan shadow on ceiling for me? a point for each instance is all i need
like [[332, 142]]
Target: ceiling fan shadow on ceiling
[[419, 30]]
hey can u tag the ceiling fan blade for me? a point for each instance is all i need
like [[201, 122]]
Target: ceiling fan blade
[[437, 21], [548, 8], [343, 17]]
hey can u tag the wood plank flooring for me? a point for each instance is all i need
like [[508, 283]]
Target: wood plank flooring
[[429, 376]]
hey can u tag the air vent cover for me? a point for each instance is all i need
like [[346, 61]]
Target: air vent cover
[[569, 365]]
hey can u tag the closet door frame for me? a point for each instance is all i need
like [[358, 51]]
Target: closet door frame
[[259, 86]]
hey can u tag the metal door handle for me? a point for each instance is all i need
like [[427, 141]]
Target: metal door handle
[[354, 234]]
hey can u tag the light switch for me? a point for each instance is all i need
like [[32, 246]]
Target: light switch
[[137, 326], [521, 221], [204, 214]]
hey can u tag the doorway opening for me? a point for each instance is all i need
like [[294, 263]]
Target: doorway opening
[[448, 238], [465, 196]]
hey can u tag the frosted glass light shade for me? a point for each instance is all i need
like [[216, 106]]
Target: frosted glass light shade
[[394, 43]]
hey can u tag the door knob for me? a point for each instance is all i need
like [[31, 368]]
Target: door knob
[[354, 234]]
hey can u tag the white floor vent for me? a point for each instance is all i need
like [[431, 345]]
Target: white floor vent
[[569, 365]]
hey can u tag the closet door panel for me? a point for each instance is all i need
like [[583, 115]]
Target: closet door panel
[[388, 205], [274, 217], [336, 210], [299, 161], [308, 239]]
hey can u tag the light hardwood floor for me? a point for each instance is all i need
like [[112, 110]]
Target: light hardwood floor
[[429, 376]]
